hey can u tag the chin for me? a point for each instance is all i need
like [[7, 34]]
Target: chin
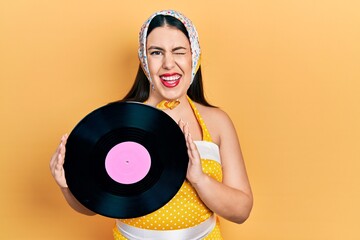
[[172, 96]]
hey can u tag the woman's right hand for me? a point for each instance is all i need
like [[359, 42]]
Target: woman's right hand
[[57, 163], [57, 170]]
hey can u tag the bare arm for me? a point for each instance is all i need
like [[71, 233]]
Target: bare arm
[[232, 199], [57, 171]]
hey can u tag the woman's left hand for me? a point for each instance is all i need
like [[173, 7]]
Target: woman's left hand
[[194, 172]]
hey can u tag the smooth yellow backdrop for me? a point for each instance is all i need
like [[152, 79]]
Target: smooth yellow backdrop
[[287, 72]]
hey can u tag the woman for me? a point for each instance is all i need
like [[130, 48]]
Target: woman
[[216, 182]]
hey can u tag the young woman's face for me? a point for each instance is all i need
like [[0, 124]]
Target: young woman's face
[[169, 61]]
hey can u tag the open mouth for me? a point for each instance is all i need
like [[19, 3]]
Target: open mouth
[[170, 80]]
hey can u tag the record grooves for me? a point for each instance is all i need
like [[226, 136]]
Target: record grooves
[[146, 144]]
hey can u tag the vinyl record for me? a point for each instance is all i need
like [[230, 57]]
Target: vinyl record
[[125, 160]]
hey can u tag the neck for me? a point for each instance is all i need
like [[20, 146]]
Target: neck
[[179, 111]]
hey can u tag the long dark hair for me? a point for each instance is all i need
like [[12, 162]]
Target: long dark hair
[[139, 92]]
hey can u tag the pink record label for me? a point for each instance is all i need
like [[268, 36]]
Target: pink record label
[[128, 162]]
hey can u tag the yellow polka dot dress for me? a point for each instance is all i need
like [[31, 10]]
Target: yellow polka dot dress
[[185, 209]]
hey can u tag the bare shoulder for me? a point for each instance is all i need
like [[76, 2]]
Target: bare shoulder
[[217, 121], [212, 113]]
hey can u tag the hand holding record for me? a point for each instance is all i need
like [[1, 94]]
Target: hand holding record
[[125, 160], [57, 162], [194, 170]]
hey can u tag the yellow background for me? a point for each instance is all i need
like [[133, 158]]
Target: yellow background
[[287, 72]]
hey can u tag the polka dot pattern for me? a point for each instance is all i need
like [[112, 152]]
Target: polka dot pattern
[[185, 209], [182, 211]]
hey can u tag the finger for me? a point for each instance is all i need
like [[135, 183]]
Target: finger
[[54, 160], [181, 124], [188, 136], [64, 138], [190, 141], [186, 129], [61, 159], [62, 150], [193, 151], [58, 149], [56, 165], [59, 167], [55, 155]]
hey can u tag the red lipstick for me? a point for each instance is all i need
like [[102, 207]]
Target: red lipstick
[[170, 80]]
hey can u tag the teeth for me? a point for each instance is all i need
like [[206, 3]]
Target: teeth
[[171, 78]]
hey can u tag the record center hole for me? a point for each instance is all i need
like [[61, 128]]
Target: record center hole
[[127, 162]]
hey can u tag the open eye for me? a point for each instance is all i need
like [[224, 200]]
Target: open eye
[[155, 53]]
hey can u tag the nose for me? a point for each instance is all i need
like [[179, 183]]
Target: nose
[[168, 61]]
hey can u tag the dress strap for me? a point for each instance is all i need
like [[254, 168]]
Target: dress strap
[[205, 132]]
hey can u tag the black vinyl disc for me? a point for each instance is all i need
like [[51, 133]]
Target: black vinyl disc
[[125, 160]]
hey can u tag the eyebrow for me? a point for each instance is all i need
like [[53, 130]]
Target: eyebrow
[[159, 48], [179, 48]]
